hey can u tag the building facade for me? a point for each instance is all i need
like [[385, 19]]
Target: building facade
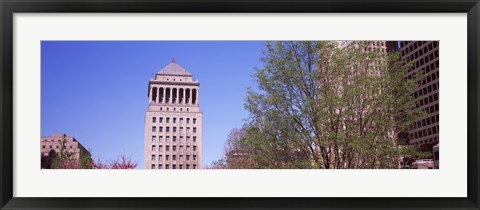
[[54, 142], [173, 121], [424, 57]]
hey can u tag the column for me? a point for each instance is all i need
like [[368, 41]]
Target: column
[[150, 95], [184, 96], [178, 96], [196, 91], [164, 92], [158, 95], [191, 97]]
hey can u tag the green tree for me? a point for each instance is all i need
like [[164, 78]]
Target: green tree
[[65, 159], [324, 106]]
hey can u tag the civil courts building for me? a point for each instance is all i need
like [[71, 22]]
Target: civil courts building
[[173, 121]]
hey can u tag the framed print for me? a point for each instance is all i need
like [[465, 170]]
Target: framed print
[[252, 105]]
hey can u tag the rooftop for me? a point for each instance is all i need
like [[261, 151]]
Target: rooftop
[[174, 69]]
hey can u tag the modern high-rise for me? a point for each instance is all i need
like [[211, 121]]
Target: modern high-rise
[[424, 57], [173, 121]]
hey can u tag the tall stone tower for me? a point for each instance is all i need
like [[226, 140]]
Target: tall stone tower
[[173, 121]]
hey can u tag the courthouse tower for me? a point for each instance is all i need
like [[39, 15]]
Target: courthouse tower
[[173, 121]]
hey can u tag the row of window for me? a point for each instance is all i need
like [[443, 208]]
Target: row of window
[[430, 109], [426, 122], [425, 132], [174, 148], [174, 138], [174, 109], [416, 45], [174, 157], [160, 120], [429, 140], [160, 166], [57, 146], [427, 100], [424, 60], [167, 129], [419, 54], [59, 140], [427, 89]]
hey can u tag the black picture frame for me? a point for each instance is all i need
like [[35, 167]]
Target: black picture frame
[[9, 7]]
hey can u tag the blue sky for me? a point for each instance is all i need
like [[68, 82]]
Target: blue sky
[[96, 91]]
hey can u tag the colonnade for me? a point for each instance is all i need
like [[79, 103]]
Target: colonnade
[[166, 95]]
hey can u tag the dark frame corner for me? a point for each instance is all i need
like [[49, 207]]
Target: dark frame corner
[[9, 7]]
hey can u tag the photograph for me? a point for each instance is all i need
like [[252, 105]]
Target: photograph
[[293, 104]]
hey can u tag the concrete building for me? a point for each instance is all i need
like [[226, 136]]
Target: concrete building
[[173, 121], [54, 142], [424, 56]]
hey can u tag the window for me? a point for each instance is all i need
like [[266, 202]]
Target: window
[[181, 119], [188, 166], [167, 148], [194, 157], [154, 119], [167, 129], [188, 120], [174, 166], [194, 120], [154, 148], [181, 138], [160, 166], [43, 146], [181, 129], [50, 146], [160, 139], [181, 166], [174, 148], [153, 166], [160, 129], [188, 148], [160, 148], [174, 120], [194, 148], [174, 129], [194, 139], [154, 138], [161, 119], [194, 166], [153, 157], [168, 138], [188, 157], [154, 129], [166, 157], [167, 167], [168, 119], [188, 129], [181, 148], [174, 138], [181, 157], [174, 157], [194, 129]]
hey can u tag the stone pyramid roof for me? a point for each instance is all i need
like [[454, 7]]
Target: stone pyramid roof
[[174, 69]]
